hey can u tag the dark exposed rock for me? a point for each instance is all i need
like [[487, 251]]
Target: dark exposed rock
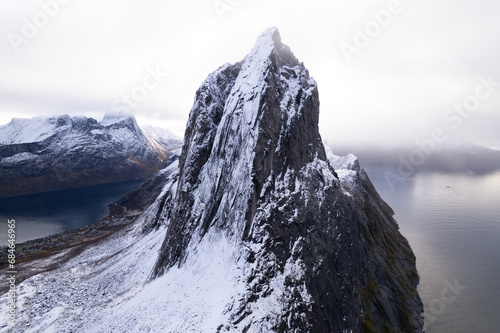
[[254, 172]]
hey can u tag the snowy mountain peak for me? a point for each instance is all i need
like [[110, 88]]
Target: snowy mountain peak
[[256, 191], [110, 119], [270, 33], [121, 121], [268, 52], [260, 234], [251, 122], [64, 120], [162, 137], [269, 42]]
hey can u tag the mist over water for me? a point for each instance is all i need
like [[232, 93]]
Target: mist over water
[[452, 222]]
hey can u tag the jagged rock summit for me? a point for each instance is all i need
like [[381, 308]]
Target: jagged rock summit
[[256, 190], [254, 229]]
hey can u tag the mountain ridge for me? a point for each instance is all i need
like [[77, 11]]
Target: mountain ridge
[[253, 231], [253, 175], [51, 153]]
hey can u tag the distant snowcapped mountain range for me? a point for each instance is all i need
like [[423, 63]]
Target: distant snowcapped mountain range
[[50, 153]]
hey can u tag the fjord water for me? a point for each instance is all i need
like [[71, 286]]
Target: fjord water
[[44, 214], [452, 222]]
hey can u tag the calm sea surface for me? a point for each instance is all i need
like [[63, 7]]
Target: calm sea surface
[[44, 214], [452, 222]]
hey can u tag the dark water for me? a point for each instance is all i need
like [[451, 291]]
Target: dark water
[[453, 224], [44, 214]]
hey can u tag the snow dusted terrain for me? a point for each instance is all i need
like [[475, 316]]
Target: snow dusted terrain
[[257, 229], [162, 137], [104, 289], [21, 130], [44, 154]]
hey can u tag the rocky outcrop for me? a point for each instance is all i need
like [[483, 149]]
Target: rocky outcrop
[[311, 250], [45, 154], [256, 228]]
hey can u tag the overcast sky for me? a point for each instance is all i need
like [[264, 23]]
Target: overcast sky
[[386, 70]]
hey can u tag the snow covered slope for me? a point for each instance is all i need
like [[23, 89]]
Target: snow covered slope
[[162, 138], [22, 130], [43, 154], [255, 178], [254, 230]]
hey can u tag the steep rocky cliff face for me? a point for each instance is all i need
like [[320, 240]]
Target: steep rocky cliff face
[[44, 154], [391, 276], [257, 228], [254, 177]]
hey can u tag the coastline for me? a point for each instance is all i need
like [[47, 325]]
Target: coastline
[[48, 253]]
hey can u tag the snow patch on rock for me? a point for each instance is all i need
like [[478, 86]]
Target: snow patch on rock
[[347, 168]]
